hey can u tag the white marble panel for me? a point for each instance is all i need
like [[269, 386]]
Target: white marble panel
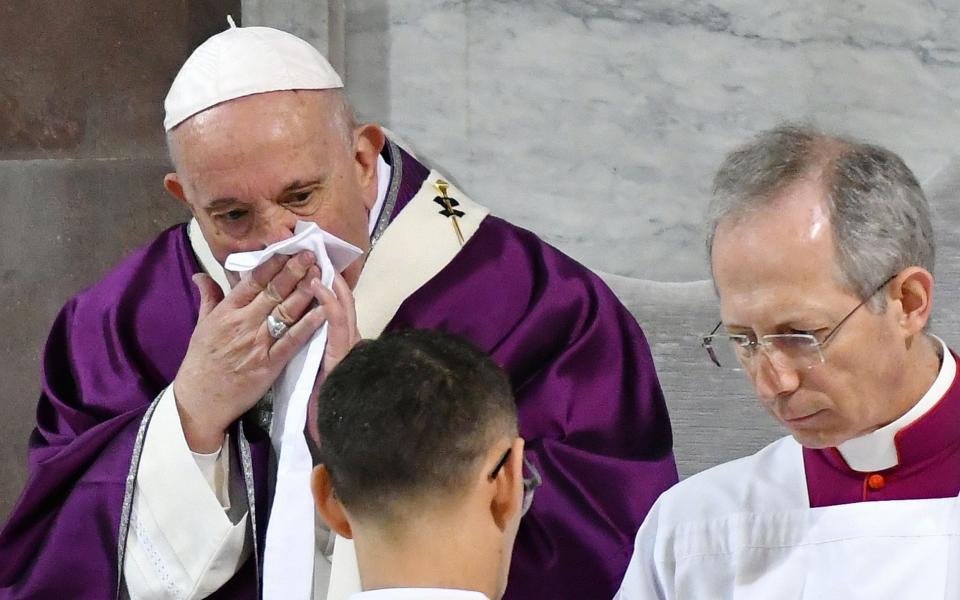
[[308, 19], [598, 123]]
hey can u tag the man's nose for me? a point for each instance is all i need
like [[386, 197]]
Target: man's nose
[[772, 377], [276, 224]]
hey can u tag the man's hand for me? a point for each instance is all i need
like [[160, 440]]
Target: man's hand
[[341, 312], [343, 335], [232, 360]]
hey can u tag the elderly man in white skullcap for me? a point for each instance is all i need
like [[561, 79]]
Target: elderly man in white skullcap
[[169, 459]]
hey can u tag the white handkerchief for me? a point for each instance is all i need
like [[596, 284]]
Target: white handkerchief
[[307, 235], [289, 549]]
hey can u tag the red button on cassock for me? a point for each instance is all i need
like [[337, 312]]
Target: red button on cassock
[[876, 481]]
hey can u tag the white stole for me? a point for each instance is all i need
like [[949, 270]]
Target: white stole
[[289, 549]]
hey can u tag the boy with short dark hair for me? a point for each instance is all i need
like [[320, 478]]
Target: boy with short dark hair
[[420, 462]]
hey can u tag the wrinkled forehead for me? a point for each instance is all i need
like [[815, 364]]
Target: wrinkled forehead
[[272, 138], [259, 126]]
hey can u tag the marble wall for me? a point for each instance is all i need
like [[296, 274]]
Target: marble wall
[[82, 160], [598, 123]]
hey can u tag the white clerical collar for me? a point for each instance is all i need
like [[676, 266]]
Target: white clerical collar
[[213, 268], [418, 594], [877, 450]]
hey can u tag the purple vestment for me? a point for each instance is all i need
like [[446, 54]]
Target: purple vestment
[[929, 462], [589, 402]]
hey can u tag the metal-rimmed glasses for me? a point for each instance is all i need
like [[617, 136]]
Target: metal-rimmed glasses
[[798, 351], [530, 484]]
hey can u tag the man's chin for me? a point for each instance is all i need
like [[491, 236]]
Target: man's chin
[[814, 431], [817, 440], [811, 443]]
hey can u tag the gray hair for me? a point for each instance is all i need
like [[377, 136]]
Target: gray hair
[[878, 212]]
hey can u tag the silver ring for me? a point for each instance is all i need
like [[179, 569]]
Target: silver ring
[[276, 327]]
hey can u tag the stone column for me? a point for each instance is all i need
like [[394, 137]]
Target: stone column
[[82, 159]]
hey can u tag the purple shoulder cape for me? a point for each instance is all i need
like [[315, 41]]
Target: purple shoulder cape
[[589, 402]]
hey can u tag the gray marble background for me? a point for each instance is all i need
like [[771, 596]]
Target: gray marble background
[[595, 123], [598, 123]]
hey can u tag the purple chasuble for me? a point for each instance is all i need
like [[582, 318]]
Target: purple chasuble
[[590, 408], [589, 403], [928, 467], [112, 349]]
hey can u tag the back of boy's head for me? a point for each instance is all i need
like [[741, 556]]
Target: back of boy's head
[[407, 419]]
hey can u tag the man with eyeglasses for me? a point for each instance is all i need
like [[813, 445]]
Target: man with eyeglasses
[[822, 256], [419, 460]]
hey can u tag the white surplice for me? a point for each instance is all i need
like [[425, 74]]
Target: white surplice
[[186, 538], [744, 530]]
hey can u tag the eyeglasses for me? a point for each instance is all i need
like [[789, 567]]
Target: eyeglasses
[[799, 351], [530, 484]]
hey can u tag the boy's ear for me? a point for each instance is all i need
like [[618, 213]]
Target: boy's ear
[[508, 488], [328, 505]]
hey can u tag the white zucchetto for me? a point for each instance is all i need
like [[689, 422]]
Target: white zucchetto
[[242, 61]]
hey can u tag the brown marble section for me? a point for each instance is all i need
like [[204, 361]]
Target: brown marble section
[[64, 224], [82, 158], [87, 78]]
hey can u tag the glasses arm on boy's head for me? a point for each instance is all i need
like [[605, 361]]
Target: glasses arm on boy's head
[[503, 460]]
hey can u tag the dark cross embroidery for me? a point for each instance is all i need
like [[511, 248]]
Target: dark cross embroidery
[[448, 205]]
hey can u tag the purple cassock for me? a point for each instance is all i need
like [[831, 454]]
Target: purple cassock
[[589, 402]]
